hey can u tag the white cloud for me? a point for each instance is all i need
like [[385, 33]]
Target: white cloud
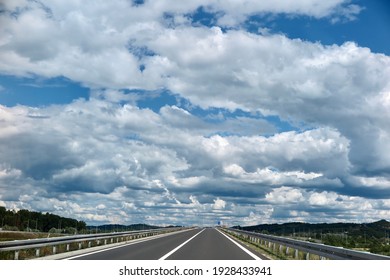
[[299, 216], [261, 215], [53, 39], [267, 175], [131, 162], [235, 12], [299, 81], [284, 195], [347, 13], [6, 173], [288, 152], [328, 205], [379, 182], [219, 204], [134, 161], [101, 207], [322, 199]]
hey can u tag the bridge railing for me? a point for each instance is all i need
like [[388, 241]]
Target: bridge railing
[[321, 250], [34, 248]]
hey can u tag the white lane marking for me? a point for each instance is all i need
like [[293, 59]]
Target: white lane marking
[[112, 248], [116, 246], [240, 246], [181, 245]]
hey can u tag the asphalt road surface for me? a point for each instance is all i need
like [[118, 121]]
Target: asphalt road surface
[[195, 244]]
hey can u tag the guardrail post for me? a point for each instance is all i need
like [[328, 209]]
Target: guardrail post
[[105, 241], [54, 250], [296, 253], [16, 255], [287, 250], [67, 247], [307, 256], [79, 245], [89, 244], [37, 252]]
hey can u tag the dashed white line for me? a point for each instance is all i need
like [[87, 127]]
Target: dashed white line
[[97, 250], [178, 247]]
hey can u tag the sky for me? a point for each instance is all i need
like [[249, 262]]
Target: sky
[[194, 112]]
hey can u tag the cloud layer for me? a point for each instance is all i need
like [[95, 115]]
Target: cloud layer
[[109, 159]]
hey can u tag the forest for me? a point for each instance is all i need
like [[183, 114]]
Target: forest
[[25, 220]]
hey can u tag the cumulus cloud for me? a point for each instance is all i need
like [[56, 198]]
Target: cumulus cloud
[[327, 204], [50, 38], [113, 160], [219, 204], [284, 195], [296, 80], [121, 170]]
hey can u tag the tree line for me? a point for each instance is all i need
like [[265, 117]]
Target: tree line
[[25, 220]]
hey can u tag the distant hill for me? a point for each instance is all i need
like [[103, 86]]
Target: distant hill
[[379, 229], [117, 227], [372, 237]]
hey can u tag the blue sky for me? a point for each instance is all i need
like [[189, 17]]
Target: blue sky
[[251, 112]]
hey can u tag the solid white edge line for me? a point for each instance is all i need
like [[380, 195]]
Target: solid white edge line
[[178, 247], [240, 246], [111, 248]]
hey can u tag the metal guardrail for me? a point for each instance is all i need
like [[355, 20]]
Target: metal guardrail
[[325, 251], [98, 239]]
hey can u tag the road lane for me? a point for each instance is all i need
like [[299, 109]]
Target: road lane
[[194, 244], [178, 247], [211, 245], [147, 250]]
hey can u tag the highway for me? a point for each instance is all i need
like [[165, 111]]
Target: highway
[[194, 244]]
